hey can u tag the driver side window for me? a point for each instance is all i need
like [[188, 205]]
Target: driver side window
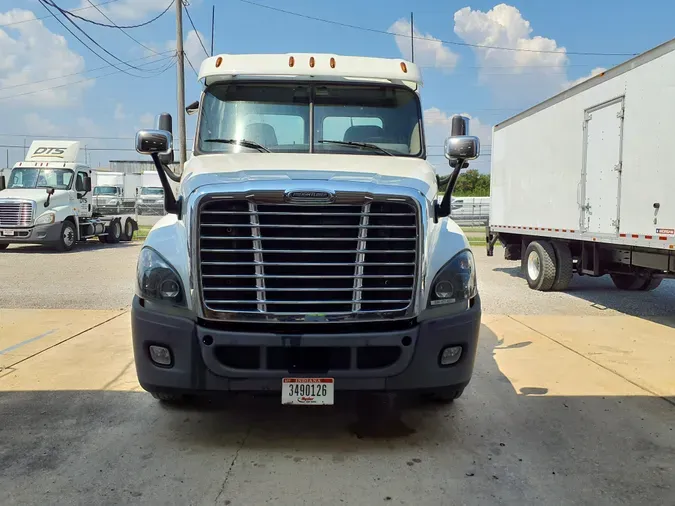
[[79, 182]]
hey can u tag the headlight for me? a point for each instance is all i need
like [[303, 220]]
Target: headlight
[[46, 219], [455, 282], [157, 280]]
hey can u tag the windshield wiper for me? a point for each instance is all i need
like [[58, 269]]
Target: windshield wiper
[[374, 147], [241, 142]]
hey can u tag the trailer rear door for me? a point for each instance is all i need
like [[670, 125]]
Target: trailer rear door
[[601, 170]]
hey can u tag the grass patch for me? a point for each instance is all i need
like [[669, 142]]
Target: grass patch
[[473, 229], [142, 232]]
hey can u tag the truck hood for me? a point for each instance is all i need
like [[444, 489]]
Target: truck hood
[[37, 195], [413, 173]]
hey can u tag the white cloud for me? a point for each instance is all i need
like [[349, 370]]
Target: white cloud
[[119, 113], [193, 49], [596, 71], [41, 126], [146, 120], [125, 10], [30, 53], [428, 53], [524, 75], [438, 126]]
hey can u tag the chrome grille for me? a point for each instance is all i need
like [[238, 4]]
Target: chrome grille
[[313, 261], [16, 214]]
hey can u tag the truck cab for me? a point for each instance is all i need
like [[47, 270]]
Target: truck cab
[[307, 250], [47, 199], [150, 197]]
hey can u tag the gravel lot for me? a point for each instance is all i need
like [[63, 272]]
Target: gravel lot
[[44, 279]]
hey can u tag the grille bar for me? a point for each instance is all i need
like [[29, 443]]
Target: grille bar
[[16, 214], [257, 256]]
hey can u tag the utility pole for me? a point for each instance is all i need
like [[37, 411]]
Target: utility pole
[[180, 63], [213, 24], [412, 38]]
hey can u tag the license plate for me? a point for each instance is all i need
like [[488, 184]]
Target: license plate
[[8, 233], [307, 391]]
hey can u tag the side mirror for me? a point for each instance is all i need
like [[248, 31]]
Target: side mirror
[[193, 108], [3, 183], [87, 183], [154, 142], [464, 147], [50, 191]]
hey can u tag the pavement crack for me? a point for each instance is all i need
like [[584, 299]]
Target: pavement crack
[[234, 459], [67, 339], [608, 369]]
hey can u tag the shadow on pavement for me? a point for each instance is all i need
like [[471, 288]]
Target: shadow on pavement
[[657, 306], [495, 445]]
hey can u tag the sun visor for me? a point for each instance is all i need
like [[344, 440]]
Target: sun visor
[[53, 151]]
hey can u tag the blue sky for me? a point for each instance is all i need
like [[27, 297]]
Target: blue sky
[[488, 85]]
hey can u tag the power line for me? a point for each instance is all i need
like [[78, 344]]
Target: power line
[[190, 63], [87, 20], [196, 31], [91, 70], [92, 78], [122, 29], [45, 3], [417, 37], [52, 15]]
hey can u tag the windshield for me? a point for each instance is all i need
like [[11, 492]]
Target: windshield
[[105, 190], [277, 118], [58, 179], [152, 191]]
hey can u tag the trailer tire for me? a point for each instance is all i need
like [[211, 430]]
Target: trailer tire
[[564, 266], [67, 238], [114, 231], [629, 282], [539, 266], [128, 231], [512, 252], [652, 284]]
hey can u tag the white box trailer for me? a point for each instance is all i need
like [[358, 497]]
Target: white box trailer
[[582, 182]]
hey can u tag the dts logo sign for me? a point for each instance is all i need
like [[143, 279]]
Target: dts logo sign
[[58, 152]]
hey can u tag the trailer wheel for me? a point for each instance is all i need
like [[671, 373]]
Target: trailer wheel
[[652, 284], [564, 266], [633, 282], [128, 232], [114, 232], [66, 241], [539, 265]]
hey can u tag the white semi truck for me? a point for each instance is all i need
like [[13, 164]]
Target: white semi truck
[[307, 251], [47, 200], [115, 192], [581, 183], [150, 196]]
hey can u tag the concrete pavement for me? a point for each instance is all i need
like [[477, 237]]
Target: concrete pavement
[[561, 410]]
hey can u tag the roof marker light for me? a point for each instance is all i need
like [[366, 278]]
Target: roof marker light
[[311, 61], [332, 63], [291, 61], [404, 68], [219, 60]]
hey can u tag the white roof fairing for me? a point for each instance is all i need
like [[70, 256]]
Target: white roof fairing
[[328, 67]]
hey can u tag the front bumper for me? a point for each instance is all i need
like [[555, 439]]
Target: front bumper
[[210, 360], [39, 234]]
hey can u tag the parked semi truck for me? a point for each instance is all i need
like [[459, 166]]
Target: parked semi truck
[[306, 251], [150, 197], [581, 183], [47, 200], [115, 192]]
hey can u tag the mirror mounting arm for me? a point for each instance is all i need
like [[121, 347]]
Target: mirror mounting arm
[[171, 205], [443, 209]]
